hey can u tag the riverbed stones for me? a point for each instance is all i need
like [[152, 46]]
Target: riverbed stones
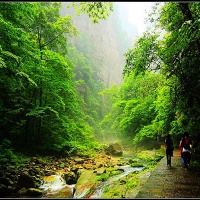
[[37, 171]]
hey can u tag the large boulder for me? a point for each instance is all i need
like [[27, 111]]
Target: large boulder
[[114, 149], [65, 192], [25, 180], [70, 177], [86, 184]]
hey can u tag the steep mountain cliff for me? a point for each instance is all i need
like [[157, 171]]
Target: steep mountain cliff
[[104, 43]]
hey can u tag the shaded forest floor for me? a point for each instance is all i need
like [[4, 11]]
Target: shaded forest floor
[[172, 182]]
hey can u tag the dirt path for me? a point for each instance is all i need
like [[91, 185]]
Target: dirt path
[[172, 182]]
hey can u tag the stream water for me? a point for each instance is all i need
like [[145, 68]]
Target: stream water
[[127, 170], [56, 182]]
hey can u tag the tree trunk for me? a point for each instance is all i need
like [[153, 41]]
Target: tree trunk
[[188, 16], [186, 11]]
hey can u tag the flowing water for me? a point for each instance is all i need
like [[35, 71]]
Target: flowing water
[[127, 170], [56, 182]]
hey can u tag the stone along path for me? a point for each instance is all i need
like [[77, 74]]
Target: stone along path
[[172, 182]]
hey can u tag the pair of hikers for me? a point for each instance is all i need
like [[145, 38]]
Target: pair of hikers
[[185, 147]]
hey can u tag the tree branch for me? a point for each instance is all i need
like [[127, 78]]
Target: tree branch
[[50, 41]]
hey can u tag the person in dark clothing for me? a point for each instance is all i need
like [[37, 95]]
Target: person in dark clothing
[[169, 149]]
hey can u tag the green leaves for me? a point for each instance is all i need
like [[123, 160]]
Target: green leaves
[[38, 94], [95, 10], [176, 56], [134, 108], [42, 112], [22, 74], [143, 56], [4, 55]]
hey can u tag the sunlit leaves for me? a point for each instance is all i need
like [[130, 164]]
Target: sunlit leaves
[[170, 17], [135, 108], [143, 56], [36, 75], [146, 132], [180, 55], [95, 10], [6, 54]]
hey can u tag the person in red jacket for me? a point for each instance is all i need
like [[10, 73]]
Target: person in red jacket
[[186, 144], [181, 149]]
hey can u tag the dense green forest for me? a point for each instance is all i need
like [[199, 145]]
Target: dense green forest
[[52, 97]]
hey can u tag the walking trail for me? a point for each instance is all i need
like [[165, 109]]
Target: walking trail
[[172, 182]]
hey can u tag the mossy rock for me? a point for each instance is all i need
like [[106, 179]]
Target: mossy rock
[[137, 165], [86, 184], [65, 192], [34, 192], [132, 160]]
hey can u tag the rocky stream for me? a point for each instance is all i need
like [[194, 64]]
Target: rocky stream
[[73, 177]]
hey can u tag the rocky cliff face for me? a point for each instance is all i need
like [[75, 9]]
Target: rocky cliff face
[[103, 43]]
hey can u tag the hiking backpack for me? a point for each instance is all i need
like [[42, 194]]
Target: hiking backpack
[[186, 143]]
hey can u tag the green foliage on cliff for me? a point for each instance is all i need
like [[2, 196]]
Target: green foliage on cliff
[[161, 78], [39, 102]]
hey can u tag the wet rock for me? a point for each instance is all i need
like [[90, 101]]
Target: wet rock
[[99, 165], [26, 181], [47, 172], [22, 192], [33, 170], [38, 181], [65, 192], [16, 188], [62, 165], [74, 169], [121, 170], [4, 191], [79, 160], [100, 171], [85, 186], [69, 177], [89, 166], [130, 161], [114, 149], [34, 192]]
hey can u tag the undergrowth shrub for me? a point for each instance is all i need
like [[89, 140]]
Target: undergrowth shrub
[[9, 156]]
